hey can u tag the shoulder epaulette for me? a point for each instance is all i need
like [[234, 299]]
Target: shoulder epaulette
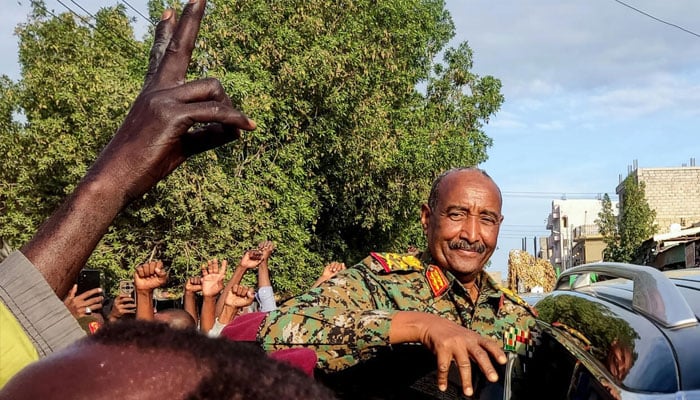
[[393, 262], [512, 296]]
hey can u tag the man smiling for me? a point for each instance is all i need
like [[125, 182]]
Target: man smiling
[[441, 298]]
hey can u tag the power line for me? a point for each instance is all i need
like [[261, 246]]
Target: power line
[[111, 39], [138, 12], [657, 19], [557, 195], [75, 14], [521, 225]]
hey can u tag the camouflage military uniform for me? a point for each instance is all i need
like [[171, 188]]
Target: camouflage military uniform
[[347, 318]]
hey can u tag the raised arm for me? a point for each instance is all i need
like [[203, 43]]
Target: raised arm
[[153, 140], [212, 284], [147, 277], [192, 286], [329, 271], [238, 297], [251, 259], [265, 295]]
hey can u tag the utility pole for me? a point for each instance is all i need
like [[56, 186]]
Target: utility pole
[[534, 246]]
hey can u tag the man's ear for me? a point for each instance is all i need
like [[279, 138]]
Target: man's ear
[[424, 217]]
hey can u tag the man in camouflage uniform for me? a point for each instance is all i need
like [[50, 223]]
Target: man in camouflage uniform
[[441, 298]]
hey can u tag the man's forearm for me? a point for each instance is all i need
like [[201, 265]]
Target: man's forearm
[[235, 280], [227, 314], [190, 305], [340, 337], [263, 275], [144, 305], [63, 244], [208, 316]]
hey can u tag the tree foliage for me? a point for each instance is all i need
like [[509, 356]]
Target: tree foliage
[[624, 234], [594, 320], [346, 147]]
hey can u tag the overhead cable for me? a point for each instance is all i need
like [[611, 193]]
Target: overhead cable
[[657, 19]]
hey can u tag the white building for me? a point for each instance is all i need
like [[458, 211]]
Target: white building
[[563, 221]]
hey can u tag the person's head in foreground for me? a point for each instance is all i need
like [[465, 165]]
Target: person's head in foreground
[[176, 318], [147, 360]]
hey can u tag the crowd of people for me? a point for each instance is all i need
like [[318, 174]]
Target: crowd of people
[[207, 303], [440, 298]]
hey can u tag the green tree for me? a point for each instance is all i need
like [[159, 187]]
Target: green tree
[[346, 147], [607, 226], [635, 224]]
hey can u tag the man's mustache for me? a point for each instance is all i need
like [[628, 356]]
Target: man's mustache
[[464, 245]]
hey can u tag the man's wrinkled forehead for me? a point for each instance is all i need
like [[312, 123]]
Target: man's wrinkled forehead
[[468, 180]]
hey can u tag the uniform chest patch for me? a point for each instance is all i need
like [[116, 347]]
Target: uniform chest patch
[[520, 341], [437, 280]]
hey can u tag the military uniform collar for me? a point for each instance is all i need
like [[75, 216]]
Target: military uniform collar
[[440, 279]]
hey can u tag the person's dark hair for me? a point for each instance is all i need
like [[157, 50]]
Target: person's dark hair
[[435, 189], [240, 370]]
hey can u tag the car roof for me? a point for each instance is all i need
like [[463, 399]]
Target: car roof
[[658, 324], [688, 282]]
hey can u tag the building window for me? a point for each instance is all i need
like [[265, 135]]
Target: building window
[[565, 221]]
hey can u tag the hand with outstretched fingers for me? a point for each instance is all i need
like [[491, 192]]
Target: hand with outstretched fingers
[[213, 277], [329, 271], [168, 107], [449, 342]]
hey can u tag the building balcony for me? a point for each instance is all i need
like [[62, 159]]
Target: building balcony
[[585, 232]]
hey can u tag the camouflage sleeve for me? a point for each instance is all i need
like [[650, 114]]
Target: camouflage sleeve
[[341, 320]]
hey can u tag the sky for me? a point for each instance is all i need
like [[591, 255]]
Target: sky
[[590, 87]]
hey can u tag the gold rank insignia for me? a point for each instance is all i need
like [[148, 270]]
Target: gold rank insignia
[[437, 280], [397, 262]]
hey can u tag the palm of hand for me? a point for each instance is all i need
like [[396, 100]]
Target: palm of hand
[[212, 284]]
